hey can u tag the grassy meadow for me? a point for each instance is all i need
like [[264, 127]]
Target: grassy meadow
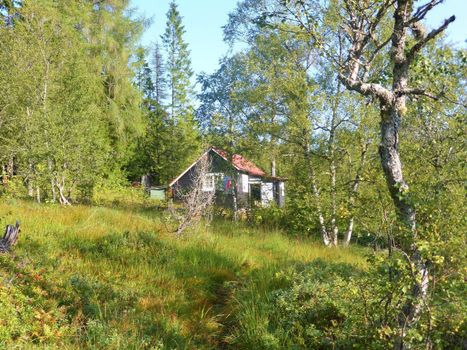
[[88, 277]]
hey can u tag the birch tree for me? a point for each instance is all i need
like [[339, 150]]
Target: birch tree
[[373, 45], [297, 106]]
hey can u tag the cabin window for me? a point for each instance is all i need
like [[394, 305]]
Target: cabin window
[[244, 180], [209, 182]]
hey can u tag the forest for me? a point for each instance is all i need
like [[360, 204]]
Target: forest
[[359, 105]]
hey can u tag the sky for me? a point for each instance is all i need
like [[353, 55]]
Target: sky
[[203, 21]]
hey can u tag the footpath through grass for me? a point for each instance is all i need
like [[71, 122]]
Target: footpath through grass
[[107, 278]]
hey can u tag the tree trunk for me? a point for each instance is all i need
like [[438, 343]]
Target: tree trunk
[[38, 194], [315, 191], [353, 193], [334, 227], [29, 181], [392, 166], [322, 224], [52, 179], [399, 190], [235, 204], [61, 191], [10, 168], [10, 237], [30, 189], [52, 186]]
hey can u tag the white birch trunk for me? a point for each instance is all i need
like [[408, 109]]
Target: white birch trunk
[[353, 194], [322, 224]]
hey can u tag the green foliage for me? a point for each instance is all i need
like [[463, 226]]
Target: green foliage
[[323, 305], [178, 65], [117, 192], [314, 311], [183, 144], [301, 216], [270, 217], [81, 109], [13, 188], [28, 314], [69, 106], [171, 141]]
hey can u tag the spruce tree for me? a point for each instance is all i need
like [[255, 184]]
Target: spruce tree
[[143, 75], [184, 144], [158, 74], [178, 66]]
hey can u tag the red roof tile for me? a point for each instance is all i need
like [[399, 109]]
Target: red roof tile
[[241, 163]]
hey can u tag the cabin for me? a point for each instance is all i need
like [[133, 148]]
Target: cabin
[[237, 181]]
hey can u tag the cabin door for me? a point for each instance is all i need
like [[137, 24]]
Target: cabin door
[[255, 194]]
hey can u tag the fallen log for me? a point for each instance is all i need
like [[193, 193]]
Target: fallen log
[[10, 237]]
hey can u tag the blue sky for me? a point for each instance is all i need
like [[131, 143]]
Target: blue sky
[[203, 20]]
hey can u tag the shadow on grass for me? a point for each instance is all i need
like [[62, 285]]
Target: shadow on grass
[[194, 277], [149, 210]]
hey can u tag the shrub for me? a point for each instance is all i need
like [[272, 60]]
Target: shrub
[[317, 310], [300, 213], [120, 193], [13, 188], [27, 315], [270, 217]]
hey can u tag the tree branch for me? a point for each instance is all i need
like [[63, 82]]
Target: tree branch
[[421, 43], [423, 10], [419, 92], [368, 89]]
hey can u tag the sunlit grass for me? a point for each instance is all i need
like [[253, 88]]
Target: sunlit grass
[[110, 278]]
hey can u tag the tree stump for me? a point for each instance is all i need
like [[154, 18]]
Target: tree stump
[[10, 237]]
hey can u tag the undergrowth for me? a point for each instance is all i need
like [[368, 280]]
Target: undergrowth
[[86, 277]]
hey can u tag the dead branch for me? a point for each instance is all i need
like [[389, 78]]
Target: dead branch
[[198, 200]]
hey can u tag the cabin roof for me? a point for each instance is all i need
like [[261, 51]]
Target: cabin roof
[[241, 163]]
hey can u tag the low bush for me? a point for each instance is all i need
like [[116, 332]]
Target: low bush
[[327, 305], [27, 313], [271, 217], [12, 188], [312, 307], [119, 193], [318, 309]]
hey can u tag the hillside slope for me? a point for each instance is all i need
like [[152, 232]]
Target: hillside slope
[[87, 277]]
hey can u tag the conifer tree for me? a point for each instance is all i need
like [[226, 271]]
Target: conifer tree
[[184, 131], [158, 74], [178, 66], [143, 75]]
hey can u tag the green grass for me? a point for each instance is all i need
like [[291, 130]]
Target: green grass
[[87, 277]]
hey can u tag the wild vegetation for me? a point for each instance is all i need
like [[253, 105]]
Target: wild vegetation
[[357, 103], [112, 278]]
